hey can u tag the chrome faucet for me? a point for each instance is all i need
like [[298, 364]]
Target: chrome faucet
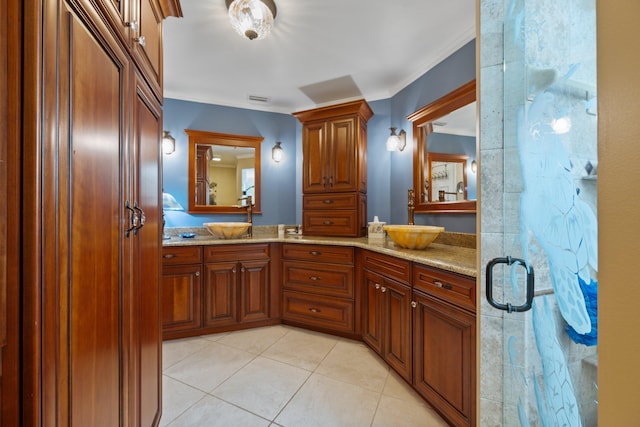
[[411, 206], [249, 213]]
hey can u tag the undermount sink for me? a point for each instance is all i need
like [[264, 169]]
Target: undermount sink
[[228, 230], [413, 236]]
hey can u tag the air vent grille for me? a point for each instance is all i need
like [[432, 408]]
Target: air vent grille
[[256, 98]]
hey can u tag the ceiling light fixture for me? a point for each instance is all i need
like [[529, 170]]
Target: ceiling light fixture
[[252, 19], [168, 143], [396, 142], [216, 158], [277, 152]]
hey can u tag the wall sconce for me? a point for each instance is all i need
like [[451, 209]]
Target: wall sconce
[[397, 142], [168, 143], [277, 152], [252, 19], [474, 166]]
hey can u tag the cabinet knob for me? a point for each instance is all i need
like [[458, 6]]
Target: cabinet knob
[[383, 289], [197, 274], [133, 25], [314, 310], [327, 201], [243, 269], [414, 304], [327, 222], [169, 256], [377, 285], [315, 253], [233, 270], [140, 40], [314, 278]]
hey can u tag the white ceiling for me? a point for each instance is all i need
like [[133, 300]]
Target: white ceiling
[[334, 50]]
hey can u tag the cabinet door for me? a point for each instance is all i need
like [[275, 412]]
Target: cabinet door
[[181, 289], [84, 288], [397, 326], [145, 353], [147, 42], [444, 357], [254, 291], [372, 306], [219, 294], [343, 163], [314, 167]]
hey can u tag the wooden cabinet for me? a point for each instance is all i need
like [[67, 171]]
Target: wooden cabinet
[[92, 183], [236, 284], [181, 289], [444, 342], [334, 169], [138, 24], [386, 324], [318, 287], [218, 288]]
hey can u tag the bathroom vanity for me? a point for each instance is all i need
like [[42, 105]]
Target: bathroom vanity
[[416, 309]]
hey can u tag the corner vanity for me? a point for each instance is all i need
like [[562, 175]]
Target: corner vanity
[[415, 308]]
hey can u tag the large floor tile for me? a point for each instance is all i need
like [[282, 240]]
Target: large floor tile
[[355, 363], [398, 388], [304, 349], [210, 366], [174, 351], [255, 340], [394, 412], [177, 398], [213, 412], [263, 387], [325, 402]]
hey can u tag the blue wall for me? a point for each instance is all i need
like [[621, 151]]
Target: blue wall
[[390, 175]]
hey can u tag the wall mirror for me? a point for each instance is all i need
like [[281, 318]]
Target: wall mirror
[[444, 153], [223, 170]]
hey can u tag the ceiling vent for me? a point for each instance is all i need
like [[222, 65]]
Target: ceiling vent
[[260, 99]]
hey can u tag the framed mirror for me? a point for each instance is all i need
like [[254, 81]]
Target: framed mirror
[[223, 170], [444, 153]]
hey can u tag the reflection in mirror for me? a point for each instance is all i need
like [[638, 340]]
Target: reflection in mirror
[[223, 170], [444, 151]]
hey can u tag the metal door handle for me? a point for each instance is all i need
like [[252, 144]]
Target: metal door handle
[[508, 307]]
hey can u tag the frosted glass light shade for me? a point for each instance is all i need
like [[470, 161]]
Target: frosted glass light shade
[[252, 19]]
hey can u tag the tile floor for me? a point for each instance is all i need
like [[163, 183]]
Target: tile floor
[[284, 376]]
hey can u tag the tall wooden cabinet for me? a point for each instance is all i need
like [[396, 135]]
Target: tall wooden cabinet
[[334, 169], [92, 185]]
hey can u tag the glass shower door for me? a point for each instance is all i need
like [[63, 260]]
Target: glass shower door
[[550, 222]]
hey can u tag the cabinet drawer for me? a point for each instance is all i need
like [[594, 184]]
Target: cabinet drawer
[[330, 201], [394, 268], [331, 222], [334, 280], [318, 253], [315, 310], [173, 255], [216, 253], [456, 289]]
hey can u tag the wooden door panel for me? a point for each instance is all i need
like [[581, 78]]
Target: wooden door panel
[[314, 175], [397, 315], [147, 130], [343, 167], [219, 294], [372, 305], [93, 303], [444, 357], [181, 309], [254, 291]]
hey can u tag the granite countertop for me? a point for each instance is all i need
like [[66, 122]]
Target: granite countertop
[[453, 252]]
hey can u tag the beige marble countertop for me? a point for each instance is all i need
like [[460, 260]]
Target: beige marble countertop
[[452, 252]]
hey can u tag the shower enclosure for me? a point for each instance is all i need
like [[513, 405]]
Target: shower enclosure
[[541, 257]]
